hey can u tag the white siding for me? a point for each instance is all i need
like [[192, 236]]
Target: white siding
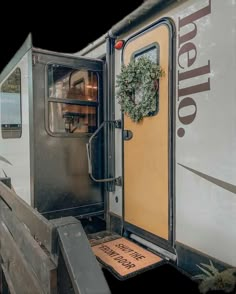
[[17, 151]]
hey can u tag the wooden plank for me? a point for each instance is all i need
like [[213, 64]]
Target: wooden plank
[[1, 274], [8, 280], [84, 271], [22, 277], [35, 256], [39, 226]]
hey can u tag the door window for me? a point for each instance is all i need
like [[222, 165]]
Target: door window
[[72, 100], [151, 52]]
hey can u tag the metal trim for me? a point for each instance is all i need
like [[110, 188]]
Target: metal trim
[[109, 113], [143, 12], [165, 244], [31, 126], [171, 85], [79, 212], [188, 258], [27, 45], [73, 101], [109, 134], [116, 223], [90, 47], [172, 132], [65, 55], [45, 57], [166, 254]]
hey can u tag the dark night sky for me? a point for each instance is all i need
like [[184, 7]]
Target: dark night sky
[[63, 28]]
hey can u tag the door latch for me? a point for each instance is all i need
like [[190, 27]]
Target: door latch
[[127, 135]]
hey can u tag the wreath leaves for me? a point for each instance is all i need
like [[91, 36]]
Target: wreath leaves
[[139, 78]]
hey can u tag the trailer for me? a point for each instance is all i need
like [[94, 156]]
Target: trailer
[[165, 184]]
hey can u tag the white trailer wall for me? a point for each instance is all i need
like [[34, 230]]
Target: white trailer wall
[[17, 150]]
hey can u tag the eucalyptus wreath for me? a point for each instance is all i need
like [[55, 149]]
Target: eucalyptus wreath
[[138, 88]]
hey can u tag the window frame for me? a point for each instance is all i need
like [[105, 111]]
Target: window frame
[[12, 130], [141, 51], [49, 100], [146, 49]]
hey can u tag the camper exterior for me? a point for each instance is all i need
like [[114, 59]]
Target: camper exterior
[[178, 168], [170, 185]]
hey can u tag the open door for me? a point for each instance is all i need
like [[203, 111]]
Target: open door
[[147, 200], [67, 111]]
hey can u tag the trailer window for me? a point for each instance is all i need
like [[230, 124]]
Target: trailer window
[[72, 100], [11, 119], [153, 53]]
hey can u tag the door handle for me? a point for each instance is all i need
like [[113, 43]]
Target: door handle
[[127, 135], [89, 156]]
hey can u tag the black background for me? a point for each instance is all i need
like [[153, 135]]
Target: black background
[[63, 26]]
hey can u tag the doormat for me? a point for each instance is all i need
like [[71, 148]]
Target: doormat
[[125, 258]]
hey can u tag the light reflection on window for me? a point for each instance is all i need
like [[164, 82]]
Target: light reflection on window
[[80, 89]]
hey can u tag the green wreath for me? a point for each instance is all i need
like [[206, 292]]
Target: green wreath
[[138, 88]]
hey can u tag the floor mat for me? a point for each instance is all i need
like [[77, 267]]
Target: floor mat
[[125, 258], [102, 237]]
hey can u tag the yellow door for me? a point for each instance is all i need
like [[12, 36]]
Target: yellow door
[[146, 200]]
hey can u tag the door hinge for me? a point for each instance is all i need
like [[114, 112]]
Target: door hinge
[[35, 59], [118, 181], [118, 124]]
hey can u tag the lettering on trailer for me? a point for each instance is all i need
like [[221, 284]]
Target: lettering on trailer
[[187, 49]]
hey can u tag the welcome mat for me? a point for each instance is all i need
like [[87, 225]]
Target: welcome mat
[[125, 258]]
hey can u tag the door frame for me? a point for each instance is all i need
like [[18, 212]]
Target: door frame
[[129, 228]]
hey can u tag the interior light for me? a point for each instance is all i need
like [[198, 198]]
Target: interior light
[[91, 87]]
